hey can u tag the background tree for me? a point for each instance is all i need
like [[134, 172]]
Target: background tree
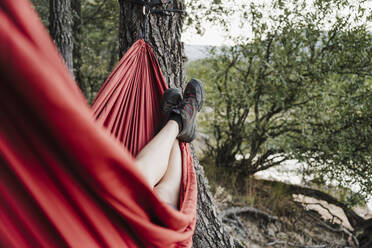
[[94, 35], [98, 42], [60, 28], [297, 89], [335, 142], [77, 40]]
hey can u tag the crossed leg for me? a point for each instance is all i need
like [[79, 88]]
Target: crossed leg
[[160, 160], [161, 163]]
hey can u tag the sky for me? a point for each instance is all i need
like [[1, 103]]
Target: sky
[[215, 36]]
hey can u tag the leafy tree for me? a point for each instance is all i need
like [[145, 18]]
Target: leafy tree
[[99, 43], [335, 142], [299, 87]]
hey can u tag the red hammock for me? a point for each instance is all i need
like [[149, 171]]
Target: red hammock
[[64, 180], [128, 104]]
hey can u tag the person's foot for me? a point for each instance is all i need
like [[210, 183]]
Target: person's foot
[[193, 99], [170, 100]]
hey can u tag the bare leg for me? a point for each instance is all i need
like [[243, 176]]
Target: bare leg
[[168, 189], [154, 157]]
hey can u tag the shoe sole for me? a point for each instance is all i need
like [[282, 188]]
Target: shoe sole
[[197, 84]]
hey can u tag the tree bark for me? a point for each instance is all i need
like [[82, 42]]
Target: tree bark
[[210, 231], [60, 27], [76, 51], [164, 33]]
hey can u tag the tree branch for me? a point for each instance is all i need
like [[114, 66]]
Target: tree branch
[[248, 210], [353, 218]]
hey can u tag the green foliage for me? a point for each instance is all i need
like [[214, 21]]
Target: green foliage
[[299, 88], [100, 46], [337, 144]]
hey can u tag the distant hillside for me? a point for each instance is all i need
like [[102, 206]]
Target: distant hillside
[[195, 52]]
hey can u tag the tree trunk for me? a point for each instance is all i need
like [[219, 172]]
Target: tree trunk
[[76, 35], [210, 231], [60, 27], [164, 33]]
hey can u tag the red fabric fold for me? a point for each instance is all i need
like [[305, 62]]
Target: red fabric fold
[[65, 180], [128, 103]]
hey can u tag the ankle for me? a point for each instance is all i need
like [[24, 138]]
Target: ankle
[[177, 118]]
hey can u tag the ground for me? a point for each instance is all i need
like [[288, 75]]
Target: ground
[[265, 215]]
